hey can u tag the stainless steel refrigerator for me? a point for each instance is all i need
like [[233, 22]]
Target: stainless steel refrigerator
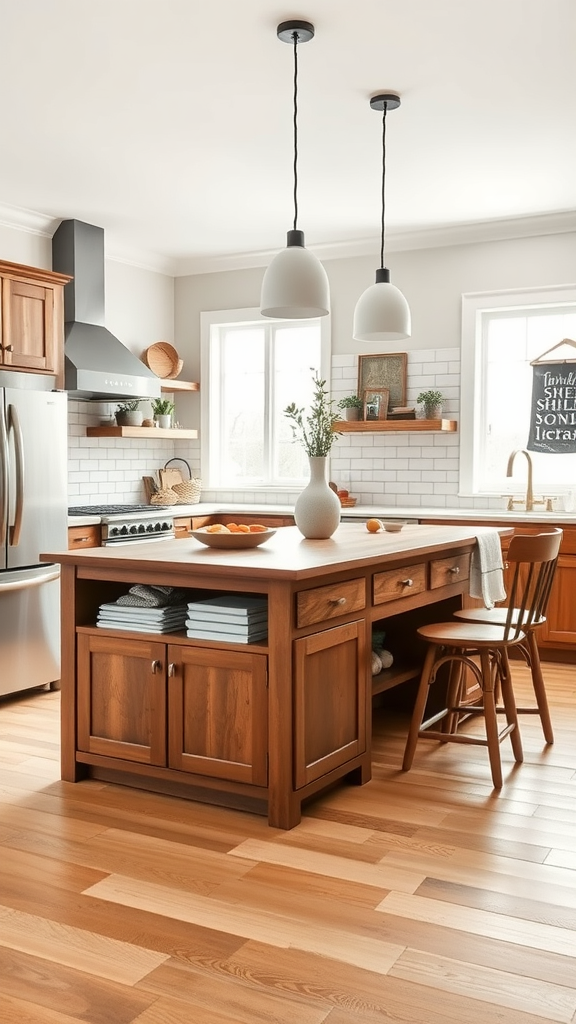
[[33, 518]]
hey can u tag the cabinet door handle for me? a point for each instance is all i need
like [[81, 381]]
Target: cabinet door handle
[[407, 583], [156, 666], [171, 669], [337, 600], [8, 348], [455, 569]]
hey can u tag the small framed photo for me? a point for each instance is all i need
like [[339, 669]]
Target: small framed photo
[[376, 403], [384, 371]]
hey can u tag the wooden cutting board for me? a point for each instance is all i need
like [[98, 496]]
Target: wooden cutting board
[[168, 477]]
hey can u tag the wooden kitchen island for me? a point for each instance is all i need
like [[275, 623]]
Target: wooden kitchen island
[[262, 726]]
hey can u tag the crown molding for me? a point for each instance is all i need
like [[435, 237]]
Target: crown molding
[[470, 233], [34, 223], [440, 236]]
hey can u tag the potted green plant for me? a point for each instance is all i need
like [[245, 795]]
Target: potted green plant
[[317, 509], [129, 414], [432, 402], [163, 409], [352, 406]]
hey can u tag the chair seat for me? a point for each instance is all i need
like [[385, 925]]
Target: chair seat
[[493, 616], [467, 634]]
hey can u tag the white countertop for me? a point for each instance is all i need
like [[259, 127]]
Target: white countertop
[[364, 512]]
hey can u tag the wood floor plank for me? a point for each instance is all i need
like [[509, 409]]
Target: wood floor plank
[[70, 993], [498, 988], [394, 877], [481, 922], [340, 944], [242, 1002], [560, 914], [74, 947]]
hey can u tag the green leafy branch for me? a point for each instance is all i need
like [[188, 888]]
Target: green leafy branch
[[314, 430]]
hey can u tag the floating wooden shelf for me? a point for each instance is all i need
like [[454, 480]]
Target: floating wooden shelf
[[377, 426], [179, 385], [139, 432]]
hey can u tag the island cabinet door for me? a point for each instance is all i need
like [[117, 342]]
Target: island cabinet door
[[218, 713], [122, 698], [329, 700]]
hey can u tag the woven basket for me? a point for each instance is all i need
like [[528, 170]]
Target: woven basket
[[166, 496], [188, 491]]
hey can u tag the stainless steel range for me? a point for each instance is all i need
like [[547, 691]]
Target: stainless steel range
[[124, 524]]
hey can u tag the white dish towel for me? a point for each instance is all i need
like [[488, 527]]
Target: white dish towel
[[486, 568]]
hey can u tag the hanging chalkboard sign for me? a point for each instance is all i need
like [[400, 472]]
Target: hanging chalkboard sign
[[553, 407]]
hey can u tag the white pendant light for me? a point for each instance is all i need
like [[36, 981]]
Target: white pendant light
[[295, 284], [382, 313]]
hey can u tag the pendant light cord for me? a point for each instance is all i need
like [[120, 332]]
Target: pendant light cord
[[295, 38], [383, 182]]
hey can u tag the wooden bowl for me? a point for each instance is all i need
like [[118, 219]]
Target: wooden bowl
[[163, 359]]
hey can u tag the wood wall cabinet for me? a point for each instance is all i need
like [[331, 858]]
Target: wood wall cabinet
[[32, 320], [192, 709]]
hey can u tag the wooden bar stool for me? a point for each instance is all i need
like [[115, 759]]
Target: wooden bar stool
[[482, 647], [529, 646]]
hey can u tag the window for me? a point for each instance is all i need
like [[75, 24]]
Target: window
[[252, 368], [501, 334]]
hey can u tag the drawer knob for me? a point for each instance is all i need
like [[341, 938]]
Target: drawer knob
[[337, 600], [455, 569], [407, 583]]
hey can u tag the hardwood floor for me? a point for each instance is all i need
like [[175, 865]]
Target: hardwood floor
[[420, 897]]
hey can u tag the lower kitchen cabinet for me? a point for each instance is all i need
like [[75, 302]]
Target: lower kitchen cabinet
[[122, 698], [329, 700], [218, 713], [191, 709]]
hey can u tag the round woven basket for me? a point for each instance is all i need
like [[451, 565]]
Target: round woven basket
[[162, 358]]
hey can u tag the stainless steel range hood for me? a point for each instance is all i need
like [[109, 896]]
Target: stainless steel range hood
[[98, 367]]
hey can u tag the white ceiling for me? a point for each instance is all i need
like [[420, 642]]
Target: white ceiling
[[169, 122]]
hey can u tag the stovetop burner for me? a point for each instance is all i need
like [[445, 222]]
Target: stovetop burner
[[112, 510]]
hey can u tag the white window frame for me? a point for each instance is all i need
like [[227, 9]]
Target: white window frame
[[474, 306], [209, 319]]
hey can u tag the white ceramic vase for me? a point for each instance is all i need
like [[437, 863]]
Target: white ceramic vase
[[164, 421], [317, 509]]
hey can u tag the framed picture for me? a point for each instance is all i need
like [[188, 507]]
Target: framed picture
[[376, 403], [384, 371]]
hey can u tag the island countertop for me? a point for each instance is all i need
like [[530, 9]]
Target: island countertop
[[286, 555]]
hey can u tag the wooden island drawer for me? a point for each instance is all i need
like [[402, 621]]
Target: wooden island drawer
[[403, 582], [444, 571], [329, 602]]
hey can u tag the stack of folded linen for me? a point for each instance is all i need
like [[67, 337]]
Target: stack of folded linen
[[142, 620], [145, 609], [235, 618]]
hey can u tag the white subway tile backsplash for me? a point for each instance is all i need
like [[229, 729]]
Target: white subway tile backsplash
[[394, 468]]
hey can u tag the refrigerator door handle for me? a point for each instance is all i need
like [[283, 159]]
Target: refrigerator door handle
[[3, 479], [14, 424], [35, 581]]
